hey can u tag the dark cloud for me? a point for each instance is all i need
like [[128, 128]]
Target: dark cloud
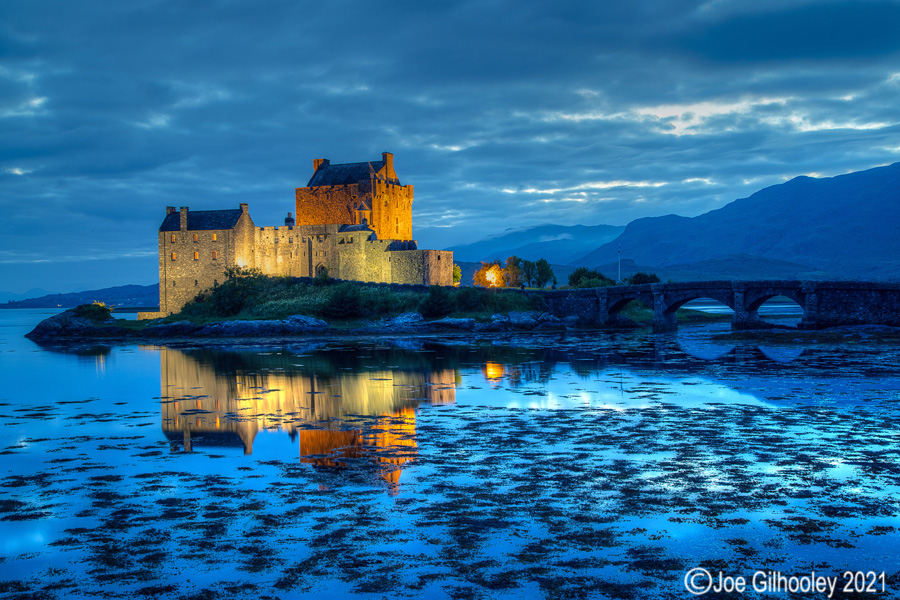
[[821, 31], [501, 113]]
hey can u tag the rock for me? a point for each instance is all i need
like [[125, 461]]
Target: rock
[[523, 320], [67, 324], [493, 325], [176, 329], [406, 319], [571, 321], [452, 323], [304, 321]]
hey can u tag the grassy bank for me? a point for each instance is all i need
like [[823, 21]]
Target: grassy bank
[[253, 296]]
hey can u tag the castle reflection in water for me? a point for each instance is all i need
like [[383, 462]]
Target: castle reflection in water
[[332, 408]]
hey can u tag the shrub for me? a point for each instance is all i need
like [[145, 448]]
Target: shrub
[[470, 299], [96, 311], [322, 277], [641, 277], [438, 303], [345, 302], [583, 277], [593, 282], [457, 275]]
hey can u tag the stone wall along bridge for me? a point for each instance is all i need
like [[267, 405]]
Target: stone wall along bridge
[[824, 303]]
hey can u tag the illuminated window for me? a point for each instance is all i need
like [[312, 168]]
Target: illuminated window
[[173, 256], [215, 237], [173, 238], [215, 255], [196, 237], [196, 256]]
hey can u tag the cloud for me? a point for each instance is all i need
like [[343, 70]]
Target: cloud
[[521, 114]]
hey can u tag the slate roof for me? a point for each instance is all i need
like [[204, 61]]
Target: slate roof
[[344, 174], [344, 228], [202, 220]]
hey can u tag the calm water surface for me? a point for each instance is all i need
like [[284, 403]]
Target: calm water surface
[[584, 466]]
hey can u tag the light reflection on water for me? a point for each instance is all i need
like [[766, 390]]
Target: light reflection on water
[[524, 465]]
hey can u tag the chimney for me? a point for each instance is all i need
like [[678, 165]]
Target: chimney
[[388, 160], [289, 221], [170, 210], [244, 207], [184, 215], [320, 162]]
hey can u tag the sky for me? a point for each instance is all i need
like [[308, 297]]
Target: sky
[[502, 114]]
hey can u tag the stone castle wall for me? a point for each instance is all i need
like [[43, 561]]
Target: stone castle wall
[[191, 261]]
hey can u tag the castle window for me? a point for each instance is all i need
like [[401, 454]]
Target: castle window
[[276, 240], [196, 283], [173, 284], [173, 256], [196, 238], [173, 238], [290, 240], [196, 256], [215, 282], [215, 237], [215, 255]]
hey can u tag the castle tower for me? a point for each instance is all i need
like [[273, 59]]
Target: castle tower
[[347, 193]]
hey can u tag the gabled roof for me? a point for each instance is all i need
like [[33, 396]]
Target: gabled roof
[[202, 220], [344, 174]]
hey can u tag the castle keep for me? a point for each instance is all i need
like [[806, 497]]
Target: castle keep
[[354, 221]]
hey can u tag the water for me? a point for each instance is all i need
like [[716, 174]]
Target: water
[[601, 465]]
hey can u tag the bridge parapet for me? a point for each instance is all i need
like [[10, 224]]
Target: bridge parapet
[[824, 303]]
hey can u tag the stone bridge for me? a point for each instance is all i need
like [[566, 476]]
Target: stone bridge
[[824, 303]]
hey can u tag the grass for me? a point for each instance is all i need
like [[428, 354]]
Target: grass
[[255, 297]]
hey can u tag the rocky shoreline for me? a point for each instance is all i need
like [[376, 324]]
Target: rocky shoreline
[[69, 326]]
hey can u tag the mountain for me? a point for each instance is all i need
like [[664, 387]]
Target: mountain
[[738, 267], [845, 225], [122, 296], [32, 293], [559, 244]]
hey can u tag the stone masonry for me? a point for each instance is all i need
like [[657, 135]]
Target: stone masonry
[[196, 247]]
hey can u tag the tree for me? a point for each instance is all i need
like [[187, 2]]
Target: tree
[[514, 271], [641, 277], [491, 274], [528, 272], [543, 273], [582, 277], [457, 275]]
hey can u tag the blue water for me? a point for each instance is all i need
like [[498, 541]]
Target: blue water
[[562, 465]]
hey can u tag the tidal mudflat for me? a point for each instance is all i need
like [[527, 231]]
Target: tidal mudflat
[[601, 465]]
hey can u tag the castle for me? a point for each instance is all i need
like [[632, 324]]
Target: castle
[[354, 221]]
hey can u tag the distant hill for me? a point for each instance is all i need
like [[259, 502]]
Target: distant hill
[[559, 244], [122, 296], [844, 225], [32, 293], [730, 267]]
